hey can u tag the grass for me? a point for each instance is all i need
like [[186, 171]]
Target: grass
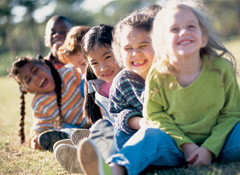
[[20, 160], [15, 158]]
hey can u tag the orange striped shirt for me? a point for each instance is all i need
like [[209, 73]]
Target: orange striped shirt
[[45, 109]]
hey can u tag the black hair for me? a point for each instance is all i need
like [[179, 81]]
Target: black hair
[[97, 37], [60, 17], [15, 72], [90, 108]]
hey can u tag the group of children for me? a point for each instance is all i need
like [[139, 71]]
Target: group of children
[[157, 91]]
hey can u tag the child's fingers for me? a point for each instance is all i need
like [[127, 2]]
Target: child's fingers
[[192, 158]]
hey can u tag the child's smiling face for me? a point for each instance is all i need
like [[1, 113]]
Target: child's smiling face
[[103, 63], [55, 34], [182, 33], [136, 50], [37, 78]]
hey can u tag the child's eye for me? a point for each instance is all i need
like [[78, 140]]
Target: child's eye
[[35, 70], [143, 46], [28, 80], [128, 49], [107, 57], [59, 32], [174, 29], [62, 32], [94, 63], [191, 27]]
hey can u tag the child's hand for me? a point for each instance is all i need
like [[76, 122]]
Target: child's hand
[[34, 142], [143, 123], [201, 156], [188, 149]]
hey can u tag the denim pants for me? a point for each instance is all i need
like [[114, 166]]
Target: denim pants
[[151, 146], [121, 137], [69, 128]]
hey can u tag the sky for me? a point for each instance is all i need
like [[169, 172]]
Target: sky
[[94, 5]]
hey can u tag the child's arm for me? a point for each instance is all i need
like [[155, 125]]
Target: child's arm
[[125, 100], [134, 122], [229, 115]]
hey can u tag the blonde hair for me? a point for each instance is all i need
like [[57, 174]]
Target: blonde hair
[[211, 51], [72, 44]]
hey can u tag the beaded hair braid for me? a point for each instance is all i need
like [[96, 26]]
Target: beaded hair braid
[[15, 72]]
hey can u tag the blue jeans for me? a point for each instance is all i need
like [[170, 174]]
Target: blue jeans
[[231, 149], [151, 146], [69, 128], [121, 137]]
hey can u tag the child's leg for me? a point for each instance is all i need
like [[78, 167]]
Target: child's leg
[[149, 146], [231, 148], [121, 137]]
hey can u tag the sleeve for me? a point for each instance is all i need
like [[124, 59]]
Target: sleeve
[[229, 115], [125, 100], [156, 104]]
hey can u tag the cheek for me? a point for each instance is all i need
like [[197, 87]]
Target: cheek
[[126, 63], [95, 70]]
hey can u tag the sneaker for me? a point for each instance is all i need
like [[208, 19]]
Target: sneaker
[[78, 134], [66, 155], [64, 141], [48, 138], [102, 133], [90, 159]]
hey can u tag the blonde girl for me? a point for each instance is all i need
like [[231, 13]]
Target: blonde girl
[[190, 67]]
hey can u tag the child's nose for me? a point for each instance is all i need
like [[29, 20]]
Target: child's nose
[[103, 67], [35, 78], [60, 34], [136, 53], [183, 32]]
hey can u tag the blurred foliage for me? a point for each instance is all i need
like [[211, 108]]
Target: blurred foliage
[[21, 33]]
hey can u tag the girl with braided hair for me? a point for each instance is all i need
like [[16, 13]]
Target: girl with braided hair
[[57, 103]]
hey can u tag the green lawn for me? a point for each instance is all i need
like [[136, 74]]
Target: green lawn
[[17, 159]]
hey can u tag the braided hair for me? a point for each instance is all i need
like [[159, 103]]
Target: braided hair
[[15, 72]]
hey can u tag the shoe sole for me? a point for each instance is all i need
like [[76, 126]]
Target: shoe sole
[[89, 158], [49, 138], [66, 155], [102, 134], [78, 135], [64, 141]]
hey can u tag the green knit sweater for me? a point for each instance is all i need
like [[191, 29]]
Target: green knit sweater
[[203, 112]]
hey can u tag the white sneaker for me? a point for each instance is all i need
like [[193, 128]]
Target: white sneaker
[[102, 133], [64, 141], [66, 155], [78, 134], [91, 160]]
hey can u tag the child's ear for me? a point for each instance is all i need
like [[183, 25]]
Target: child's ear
[[204, 40]]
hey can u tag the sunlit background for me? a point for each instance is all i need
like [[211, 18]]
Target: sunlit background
[[22, 22]]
